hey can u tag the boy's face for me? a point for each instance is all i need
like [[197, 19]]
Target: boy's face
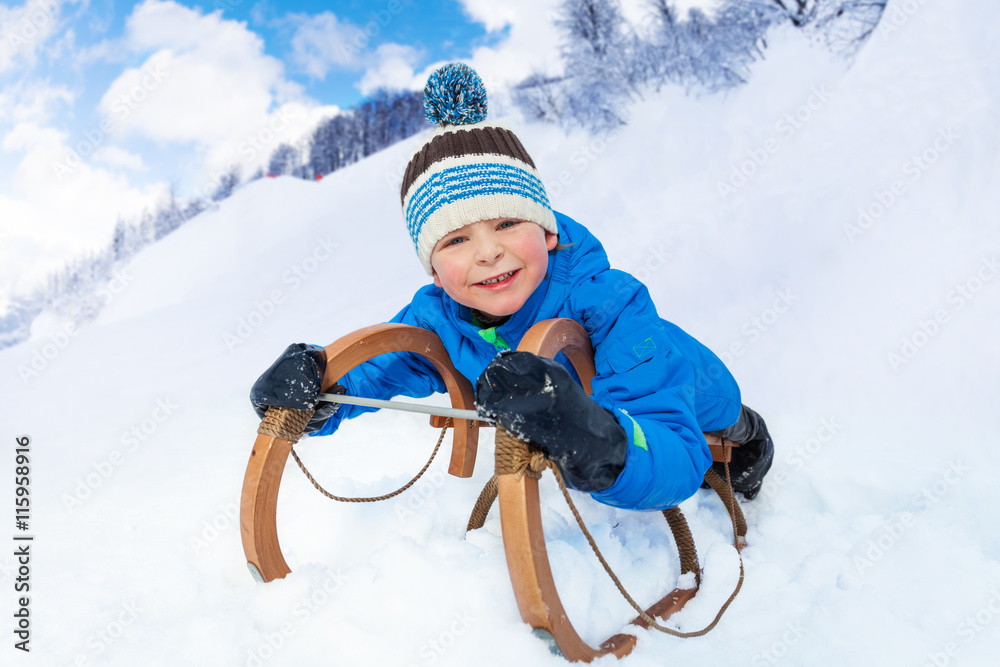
[[493, 266]]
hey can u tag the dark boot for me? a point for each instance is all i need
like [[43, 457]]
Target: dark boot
[[753, 458]]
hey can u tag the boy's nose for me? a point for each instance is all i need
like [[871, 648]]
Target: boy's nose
[[488, 251]]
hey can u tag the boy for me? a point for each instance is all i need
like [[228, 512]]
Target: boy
[[502, 260]]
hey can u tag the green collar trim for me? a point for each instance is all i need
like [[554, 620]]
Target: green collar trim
[[493, 338]]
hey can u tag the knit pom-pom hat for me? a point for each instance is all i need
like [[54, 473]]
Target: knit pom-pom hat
[[467, 169]]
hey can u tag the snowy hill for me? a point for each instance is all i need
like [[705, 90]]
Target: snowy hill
[[832, 234]]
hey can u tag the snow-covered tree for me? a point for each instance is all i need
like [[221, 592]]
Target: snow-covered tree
[[609, 63], [540, 97], [597, 45], [283, 160], [228, 182], [845, 25]]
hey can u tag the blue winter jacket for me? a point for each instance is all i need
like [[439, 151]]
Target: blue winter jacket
[[664, 387]]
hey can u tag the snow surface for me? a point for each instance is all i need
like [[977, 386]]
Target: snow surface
[[872, 544]]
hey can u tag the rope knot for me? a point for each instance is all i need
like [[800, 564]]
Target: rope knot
[[514, 457], [532, 465]]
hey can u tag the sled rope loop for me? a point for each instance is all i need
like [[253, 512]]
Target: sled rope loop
[[685, 542], [288, 423], [509, 459], [516, 457], [285, 423]]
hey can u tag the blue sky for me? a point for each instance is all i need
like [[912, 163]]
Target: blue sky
[[88, 54], [105, 104]]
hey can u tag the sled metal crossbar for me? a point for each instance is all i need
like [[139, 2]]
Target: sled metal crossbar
[[405, 406], [514, 486]]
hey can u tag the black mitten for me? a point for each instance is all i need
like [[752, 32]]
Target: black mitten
[[294, 381], [752, 459], [537, 400]]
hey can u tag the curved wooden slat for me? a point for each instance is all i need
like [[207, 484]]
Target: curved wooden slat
[[521, 523], [258, 503]]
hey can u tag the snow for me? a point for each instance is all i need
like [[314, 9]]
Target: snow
[[872, 542]]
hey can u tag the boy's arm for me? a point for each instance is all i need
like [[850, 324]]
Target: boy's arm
[[386, 376], [664, 387]]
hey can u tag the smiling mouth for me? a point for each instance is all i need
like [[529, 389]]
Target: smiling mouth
[[498, 279]]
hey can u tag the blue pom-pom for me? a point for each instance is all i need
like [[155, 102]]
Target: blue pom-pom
[[455, 95]]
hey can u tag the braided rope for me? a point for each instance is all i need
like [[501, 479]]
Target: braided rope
[[373, 499], [285, 423], [516, 456], [684, 541], [725, 490], [483, 504]]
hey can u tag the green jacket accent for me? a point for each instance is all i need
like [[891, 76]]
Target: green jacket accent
[[493, 338]]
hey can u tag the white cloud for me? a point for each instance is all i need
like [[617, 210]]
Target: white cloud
[[392, 68], [532, 43], [206, 76], [322, 41], [119, 157], [57, 215], [32, 102], [204, 83], [24, 29], [209, 84]]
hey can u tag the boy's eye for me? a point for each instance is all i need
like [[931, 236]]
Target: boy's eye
[[507, 224], [454, 241]]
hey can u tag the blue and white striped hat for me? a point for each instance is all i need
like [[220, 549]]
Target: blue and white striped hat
[[467, 169]]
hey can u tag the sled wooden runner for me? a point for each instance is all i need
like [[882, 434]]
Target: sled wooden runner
[[521, 521], [517, 486], [282, 427]]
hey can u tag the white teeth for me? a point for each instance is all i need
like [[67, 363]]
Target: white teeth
[[494, 281]]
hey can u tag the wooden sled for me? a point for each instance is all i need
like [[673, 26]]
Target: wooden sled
[[258, 504], [524, 538], [520, 511]]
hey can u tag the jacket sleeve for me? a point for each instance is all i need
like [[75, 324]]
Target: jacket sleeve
[[386, 376], [664, 387]]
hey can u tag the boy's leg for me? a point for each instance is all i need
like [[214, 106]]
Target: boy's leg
[[752, 459]]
